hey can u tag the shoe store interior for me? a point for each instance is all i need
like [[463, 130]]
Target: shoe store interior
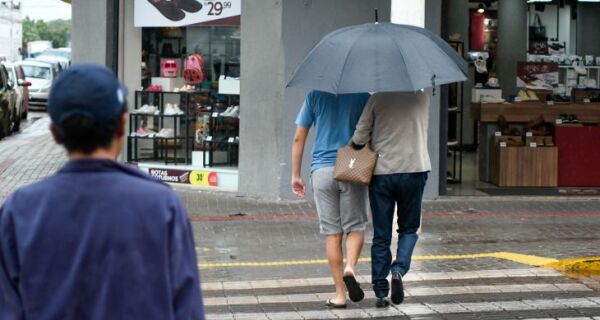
[[523, 124], [184, 124]]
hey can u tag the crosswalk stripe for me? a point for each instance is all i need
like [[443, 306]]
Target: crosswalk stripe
[[420, 309], [410, 277], [409, 292]]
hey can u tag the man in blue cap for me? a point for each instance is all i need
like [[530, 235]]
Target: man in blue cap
[[97, 240]]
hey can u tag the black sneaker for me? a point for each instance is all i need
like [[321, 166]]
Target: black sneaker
[[382, 303], [189, 5], [169, 9], [397, 288]]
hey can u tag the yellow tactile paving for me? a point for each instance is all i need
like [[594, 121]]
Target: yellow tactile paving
[[585, 264]]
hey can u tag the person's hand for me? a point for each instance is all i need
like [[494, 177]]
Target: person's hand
[[298, 187]]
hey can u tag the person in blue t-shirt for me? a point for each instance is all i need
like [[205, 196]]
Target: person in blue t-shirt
[[342, 207], [97, 240]]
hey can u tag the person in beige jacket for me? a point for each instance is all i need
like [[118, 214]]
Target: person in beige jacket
[[395, 124]]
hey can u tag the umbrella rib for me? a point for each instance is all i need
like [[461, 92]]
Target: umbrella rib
[[402, 55], [346, 59]]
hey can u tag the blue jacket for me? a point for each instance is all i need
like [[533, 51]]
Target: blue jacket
[[97, 241]]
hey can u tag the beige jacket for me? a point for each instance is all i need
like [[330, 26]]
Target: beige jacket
[[396, 125]]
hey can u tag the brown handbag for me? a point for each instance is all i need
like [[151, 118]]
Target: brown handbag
[[355, 166]]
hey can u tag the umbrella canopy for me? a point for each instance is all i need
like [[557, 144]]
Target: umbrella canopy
[[378, 57]]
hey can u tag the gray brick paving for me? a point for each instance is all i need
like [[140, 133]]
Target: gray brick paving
[[229, 228]]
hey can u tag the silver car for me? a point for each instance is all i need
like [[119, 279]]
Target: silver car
[[41, 75]]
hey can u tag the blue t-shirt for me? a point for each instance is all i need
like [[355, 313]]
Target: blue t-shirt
[[335, 118]]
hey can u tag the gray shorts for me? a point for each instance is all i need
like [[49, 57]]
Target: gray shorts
[[342, 207]]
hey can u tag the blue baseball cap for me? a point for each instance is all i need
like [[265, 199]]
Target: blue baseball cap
[[89, 90]]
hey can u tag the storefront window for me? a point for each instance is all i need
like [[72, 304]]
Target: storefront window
[[187, 109]]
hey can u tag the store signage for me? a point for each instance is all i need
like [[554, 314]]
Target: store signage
[[197, 178], [171, 13], [537, 74]]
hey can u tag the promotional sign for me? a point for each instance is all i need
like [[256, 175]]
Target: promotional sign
[[196, 178], [537, 74], [177, 13]]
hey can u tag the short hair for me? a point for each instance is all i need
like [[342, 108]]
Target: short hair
[[79, 133]]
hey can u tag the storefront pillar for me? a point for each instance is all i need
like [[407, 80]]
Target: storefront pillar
[[91, 36], [512, 43], [276, 35], [426, 14]]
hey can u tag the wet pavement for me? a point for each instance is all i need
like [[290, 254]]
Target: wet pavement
[[477, 258]]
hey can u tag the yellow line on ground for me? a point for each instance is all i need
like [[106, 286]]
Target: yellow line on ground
[[516, 257], [586, 264]]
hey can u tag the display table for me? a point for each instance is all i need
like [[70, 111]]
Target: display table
[[579, 156], [523, 112], [526, 111]]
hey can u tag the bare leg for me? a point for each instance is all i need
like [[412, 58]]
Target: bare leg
[[335, 257], [354, 244]]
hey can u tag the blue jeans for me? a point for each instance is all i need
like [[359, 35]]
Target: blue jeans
[[406, 191]]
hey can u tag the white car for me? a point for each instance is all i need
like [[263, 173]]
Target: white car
[[41, 75]]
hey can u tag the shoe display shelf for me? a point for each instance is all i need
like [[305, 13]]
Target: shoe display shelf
[[175, 148], [570, 78], [223, 136], [455, 124]]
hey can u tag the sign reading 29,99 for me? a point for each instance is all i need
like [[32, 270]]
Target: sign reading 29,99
[[176, 13]]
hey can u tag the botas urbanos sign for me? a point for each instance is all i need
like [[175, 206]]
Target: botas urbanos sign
[[175, 13]]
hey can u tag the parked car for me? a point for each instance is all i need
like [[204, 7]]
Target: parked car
[[8, 112], [40, 74], [62, 61], [60, 52], [21, 86]]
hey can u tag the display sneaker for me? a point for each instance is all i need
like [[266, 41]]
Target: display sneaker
[[147, 109], [532, 95], [234, 113], [522, 95], [145, 132], [579, 68], [166, 133], [491, 99], [154, 88], [172, 110], [169, 110], [226, 112]]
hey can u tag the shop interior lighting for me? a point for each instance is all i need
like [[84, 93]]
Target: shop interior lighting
[[481, 8], [533, 1]]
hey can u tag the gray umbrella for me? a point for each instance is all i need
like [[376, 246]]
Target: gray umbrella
[[379, 57]]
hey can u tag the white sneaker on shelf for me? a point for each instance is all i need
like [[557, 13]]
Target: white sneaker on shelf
[[166, 133], [235, 113], [177, 110], [147, 109], [172, 109], [579, 68], [226, 112]]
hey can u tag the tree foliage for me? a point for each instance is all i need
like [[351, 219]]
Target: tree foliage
[[57, 31]]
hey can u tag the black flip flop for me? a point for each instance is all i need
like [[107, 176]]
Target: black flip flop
[[335, 305], [168, 9], [354, 291], [191, 6]]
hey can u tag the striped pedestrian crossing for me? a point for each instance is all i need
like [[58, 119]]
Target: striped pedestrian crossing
[[533, 293]]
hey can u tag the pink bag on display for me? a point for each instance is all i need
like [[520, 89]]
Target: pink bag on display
[[193, 69], [169, 68]]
